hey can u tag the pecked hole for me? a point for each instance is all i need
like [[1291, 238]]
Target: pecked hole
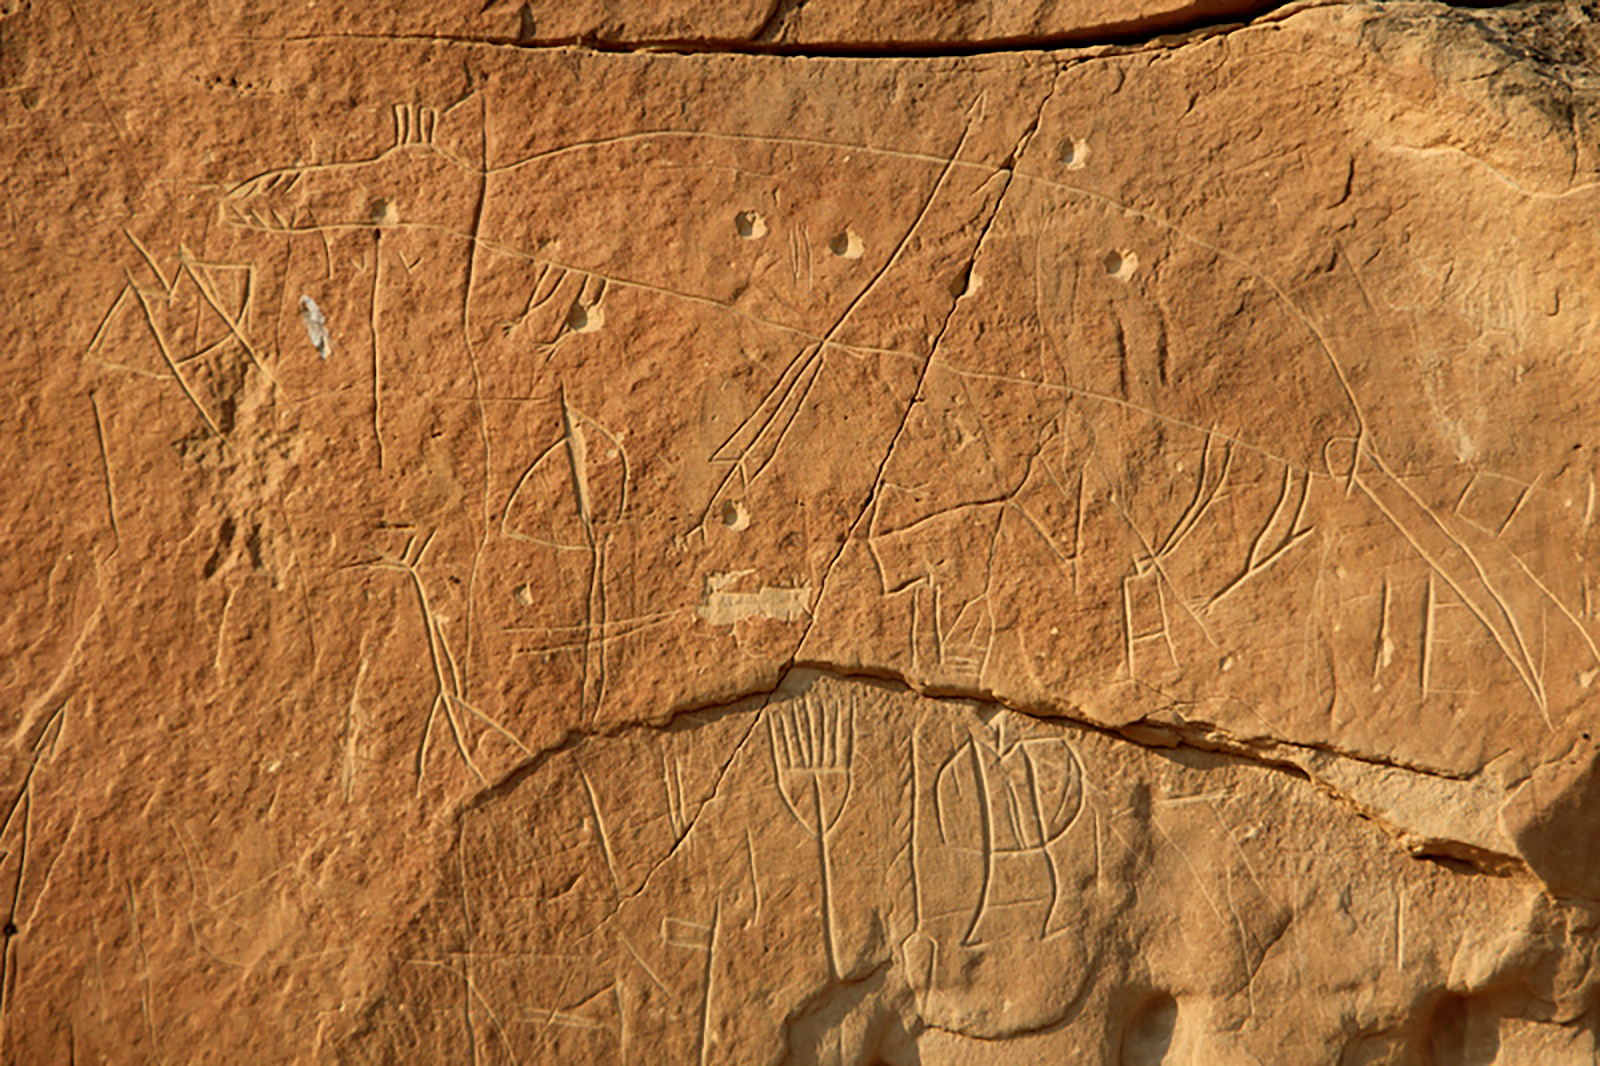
[[846, 245], [1120, 263], [750, 225], [383, 213], [1074, 153], [581, 319], [734, 516]]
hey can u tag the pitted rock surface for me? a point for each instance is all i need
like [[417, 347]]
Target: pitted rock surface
[[844, 533]]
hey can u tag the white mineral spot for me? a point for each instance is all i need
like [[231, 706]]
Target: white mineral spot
[[721, 607], [316, 326]]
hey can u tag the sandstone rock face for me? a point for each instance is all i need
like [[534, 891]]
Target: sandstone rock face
[[772, 26], [522, 552]]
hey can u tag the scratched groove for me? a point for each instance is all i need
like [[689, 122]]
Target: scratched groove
[[926, 848]]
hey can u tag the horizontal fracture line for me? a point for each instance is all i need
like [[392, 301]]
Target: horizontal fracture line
[[1126, 33]]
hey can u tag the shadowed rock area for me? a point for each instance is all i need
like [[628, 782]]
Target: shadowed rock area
[[814, 532]]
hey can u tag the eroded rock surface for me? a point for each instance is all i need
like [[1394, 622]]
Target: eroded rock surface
[[529, 553], [844, 871]]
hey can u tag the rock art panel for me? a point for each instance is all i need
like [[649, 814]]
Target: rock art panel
[[818, 543], [844, 871]]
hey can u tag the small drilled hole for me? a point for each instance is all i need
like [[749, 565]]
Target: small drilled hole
[[581, 319], [734, 516], [1121, 263], [846, 245]]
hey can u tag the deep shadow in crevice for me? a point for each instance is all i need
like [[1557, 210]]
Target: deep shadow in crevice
[[1203, 18]]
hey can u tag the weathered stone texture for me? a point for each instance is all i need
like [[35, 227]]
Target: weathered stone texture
[[520, 552]]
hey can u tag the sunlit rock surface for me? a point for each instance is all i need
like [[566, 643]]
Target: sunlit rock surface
[[814, 532]]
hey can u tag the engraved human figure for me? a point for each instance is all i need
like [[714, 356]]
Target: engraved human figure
[[999, 796], [571, 498], [813, 743]]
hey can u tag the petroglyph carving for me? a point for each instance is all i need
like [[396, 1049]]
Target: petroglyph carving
[[813, 745], [186, 320], [449, 695], [570, 499], [903, 554], [1001, 797]]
